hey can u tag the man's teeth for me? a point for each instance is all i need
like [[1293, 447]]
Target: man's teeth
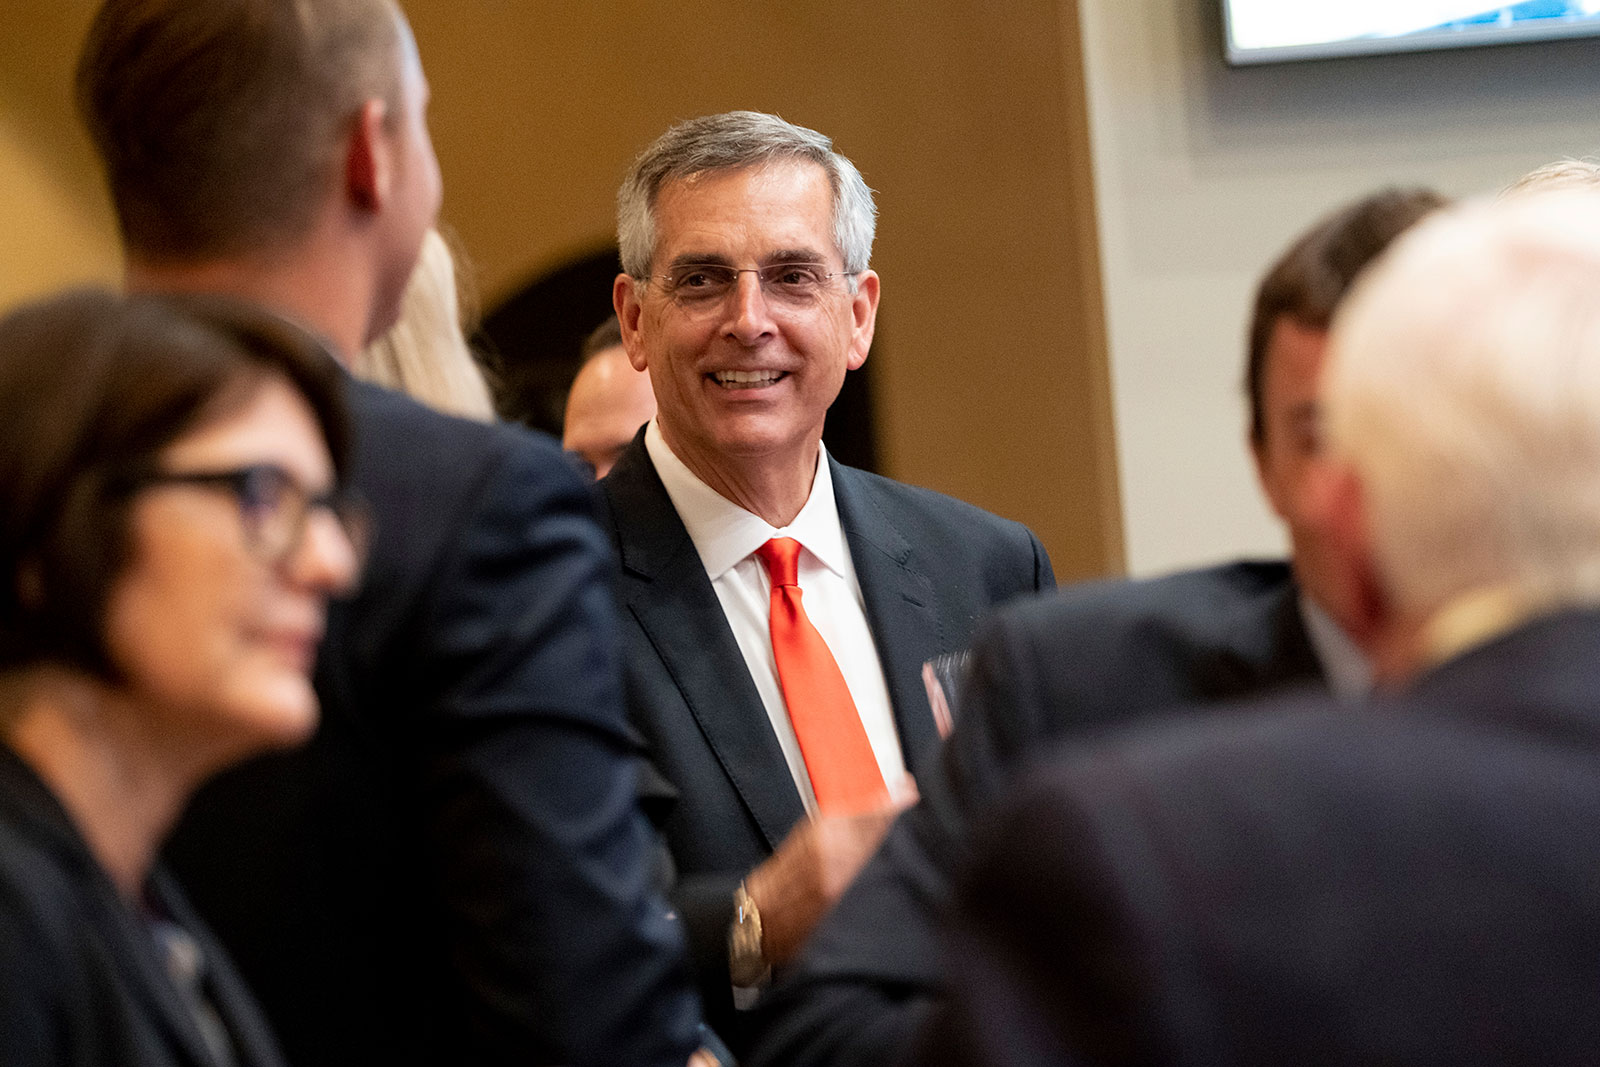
[[746, 377]]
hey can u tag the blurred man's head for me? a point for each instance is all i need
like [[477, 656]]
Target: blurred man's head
[[237, 129], [1288, 334], [1463, 419], [608, 402]]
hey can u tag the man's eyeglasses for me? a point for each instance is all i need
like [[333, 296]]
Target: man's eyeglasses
[[274, 508], [702, 287]]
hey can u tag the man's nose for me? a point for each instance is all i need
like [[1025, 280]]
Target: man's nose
[[750, 316]]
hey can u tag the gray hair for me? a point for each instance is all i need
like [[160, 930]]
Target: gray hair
[[1463, 386], [737, 140]]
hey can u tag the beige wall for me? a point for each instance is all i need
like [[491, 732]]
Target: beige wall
[[1205, 172], [56, 223], [967, 119]]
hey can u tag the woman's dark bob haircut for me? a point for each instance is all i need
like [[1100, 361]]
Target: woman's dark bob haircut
[[93, 387]]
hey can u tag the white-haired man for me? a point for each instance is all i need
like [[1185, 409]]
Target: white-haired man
[[1409, 880], [791, 730]]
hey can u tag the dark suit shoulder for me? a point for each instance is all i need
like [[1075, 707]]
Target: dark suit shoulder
[[404, 446], [1194, 603], [950, 539], [1331, 874], [453, 498], [1211, 633], [913, 508]]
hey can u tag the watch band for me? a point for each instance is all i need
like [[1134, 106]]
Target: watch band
[[747, 965]]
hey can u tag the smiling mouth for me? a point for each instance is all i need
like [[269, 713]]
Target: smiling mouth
[[747, 379]]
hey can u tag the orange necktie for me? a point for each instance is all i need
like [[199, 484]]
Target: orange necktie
[[844, 773]]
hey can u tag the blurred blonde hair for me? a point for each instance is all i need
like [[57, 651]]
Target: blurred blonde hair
[[425, 354]]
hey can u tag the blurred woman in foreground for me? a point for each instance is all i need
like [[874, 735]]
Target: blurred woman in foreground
[[170, 529]]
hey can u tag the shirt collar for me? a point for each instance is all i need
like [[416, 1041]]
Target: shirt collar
[[1473, 618], [1348, 673], [725, 533]]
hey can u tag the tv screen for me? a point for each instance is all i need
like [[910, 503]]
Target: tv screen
[[1267, 31]]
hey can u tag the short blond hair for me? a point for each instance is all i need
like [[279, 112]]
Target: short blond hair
[[425, 355]]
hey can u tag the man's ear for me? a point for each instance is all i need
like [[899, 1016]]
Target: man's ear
[[863, 317], [369, 166], [625, 300]]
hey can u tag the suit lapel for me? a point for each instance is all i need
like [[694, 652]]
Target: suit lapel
[[902, 610], [665, 588]]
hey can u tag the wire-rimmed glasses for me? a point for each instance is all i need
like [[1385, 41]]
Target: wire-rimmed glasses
[[788, 286]]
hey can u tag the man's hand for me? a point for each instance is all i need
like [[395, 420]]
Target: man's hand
[[799, 882]]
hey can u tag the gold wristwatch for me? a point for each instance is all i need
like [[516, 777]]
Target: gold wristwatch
[[746, 964]]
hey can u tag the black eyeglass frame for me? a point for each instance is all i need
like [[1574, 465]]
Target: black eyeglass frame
[[258, 501]]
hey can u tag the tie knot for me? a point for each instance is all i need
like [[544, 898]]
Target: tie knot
[[782, 558]]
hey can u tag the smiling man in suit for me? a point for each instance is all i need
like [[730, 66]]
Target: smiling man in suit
[[1097, 655], [791, 726]]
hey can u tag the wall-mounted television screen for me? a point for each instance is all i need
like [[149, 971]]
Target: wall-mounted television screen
[[1267, 31]]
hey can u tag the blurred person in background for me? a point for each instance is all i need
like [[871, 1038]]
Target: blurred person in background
[[608, 402], [1406, 879], [425, 355], [171, 525]]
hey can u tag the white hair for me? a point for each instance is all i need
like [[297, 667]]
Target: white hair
[[1463, 385], [738, 140], [1561, 174]]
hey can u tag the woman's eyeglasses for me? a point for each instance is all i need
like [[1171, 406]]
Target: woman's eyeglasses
[[275, 508]]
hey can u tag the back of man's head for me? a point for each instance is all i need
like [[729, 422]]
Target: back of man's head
[[1309, 280], [221, 122], [1463, 389]]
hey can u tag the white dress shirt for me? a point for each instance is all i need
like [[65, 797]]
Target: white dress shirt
[[726, 537], [1346, 669]]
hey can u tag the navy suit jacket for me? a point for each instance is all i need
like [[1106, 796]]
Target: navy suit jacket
[[81, 981], [1412, 882], [455, 870], [929, 568], [1066, 665]]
